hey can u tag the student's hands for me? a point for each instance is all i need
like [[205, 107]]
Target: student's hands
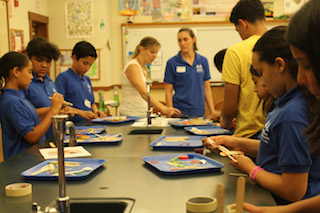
[[170, 111], [89, 115], [65, 110], [100, 114], [56, 103], [215, 115], [244, 163], [231, 142], [264, 209], [232, 125]]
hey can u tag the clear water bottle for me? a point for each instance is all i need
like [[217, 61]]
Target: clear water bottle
[[101, 101], [116, 95]]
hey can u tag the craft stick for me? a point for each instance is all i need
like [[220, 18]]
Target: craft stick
[[220, 198], [65, 102], [175, 138], [209, 140], [52, 145], [241, 184], [238, 174], [227, 151]]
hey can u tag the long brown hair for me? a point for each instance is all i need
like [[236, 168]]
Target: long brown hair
[[146, 43]]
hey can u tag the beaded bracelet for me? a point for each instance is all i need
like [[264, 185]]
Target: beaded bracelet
[[254, 172]]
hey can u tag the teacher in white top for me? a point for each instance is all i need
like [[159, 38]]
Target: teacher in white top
[[134, 78]]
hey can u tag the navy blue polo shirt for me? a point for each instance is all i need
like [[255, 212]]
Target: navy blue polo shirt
[[77, 90], [39, 91], [283, 147], [188, 83], [18, 117]]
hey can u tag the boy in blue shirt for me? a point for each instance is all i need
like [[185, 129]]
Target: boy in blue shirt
[[76, 86]]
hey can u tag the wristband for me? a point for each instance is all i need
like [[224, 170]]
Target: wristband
[[254, 172]]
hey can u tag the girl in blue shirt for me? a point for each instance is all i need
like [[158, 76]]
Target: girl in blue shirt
[[303, 36], [20, 123]]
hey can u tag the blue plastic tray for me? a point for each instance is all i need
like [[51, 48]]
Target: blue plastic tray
[[89, 130], [211, 130], [104, 121], [180, 123], [191, 143], [94, 139], [159, 163], [89, 162]]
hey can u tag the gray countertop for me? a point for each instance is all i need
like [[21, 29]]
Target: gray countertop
[[126, 175]]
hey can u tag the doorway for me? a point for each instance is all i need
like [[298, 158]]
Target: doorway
[[38, 25]]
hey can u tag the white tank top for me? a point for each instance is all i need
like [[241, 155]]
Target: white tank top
[[132, 103]]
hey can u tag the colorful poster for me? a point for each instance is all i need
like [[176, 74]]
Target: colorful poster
[[79, 19], [174, 10], [268, 9], [145, 8], [133, 5], [212, 7]]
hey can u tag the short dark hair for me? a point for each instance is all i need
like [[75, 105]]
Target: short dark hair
[[84, 49], [274, 44], [218, 59], [42, 47], [249, 10]]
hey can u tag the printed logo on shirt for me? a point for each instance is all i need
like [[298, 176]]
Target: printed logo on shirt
[[87, 103], [265, 132], [199, 68], [54, 90], [89, 87], [180, 69]]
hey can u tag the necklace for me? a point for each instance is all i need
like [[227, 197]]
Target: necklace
[[144, 69]]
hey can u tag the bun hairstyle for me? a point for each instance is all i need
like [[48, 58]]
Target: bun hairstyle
[[9, 61], [146, 43]]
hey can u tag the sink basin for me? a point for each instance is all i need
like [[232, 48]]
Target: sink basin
[[97, 205]]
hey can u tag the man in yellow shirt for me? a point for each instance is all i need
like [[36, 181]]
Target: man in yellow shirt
[[240, 100]]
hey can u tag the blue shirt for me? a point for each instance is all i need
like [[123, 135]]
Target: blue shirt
[[77, 90], [38, 94], [18, 117], [283, 147], [188, 83]]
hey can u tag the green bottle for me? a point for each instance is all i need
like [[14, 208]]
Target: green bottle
[[101, 101], [116, 95]]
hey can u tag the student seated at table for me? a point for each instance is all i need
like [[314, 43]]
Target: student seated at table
[[41, 53], [283, 156], [186, 80], [134, 78], [20, 123], [76, 86]]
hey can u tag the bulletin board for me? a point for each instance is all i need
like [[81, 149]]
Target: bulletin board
[[65, 62], [211, 38]]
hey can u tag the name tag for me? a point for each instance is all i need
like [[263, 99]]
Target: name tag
[[181, 69], [87, 103]]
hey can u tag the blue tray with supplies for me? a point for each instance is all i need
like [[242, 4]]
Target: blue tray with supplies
[[115, 119], [186, 122], [89, 130], [75, 169], [209, 130], [177, 142], [96, 139], [195, 163]]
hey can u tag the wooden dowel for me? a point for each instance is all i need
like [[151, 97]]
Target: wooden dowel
[[241, 184], [220, 198]]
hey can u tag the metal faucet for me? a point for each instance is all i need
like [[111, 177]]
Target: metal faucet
[[148, 83], [59, 131], [72, 133]]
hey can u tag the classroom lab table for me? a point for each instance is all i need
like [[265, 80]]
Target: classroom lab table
[[126, 175]]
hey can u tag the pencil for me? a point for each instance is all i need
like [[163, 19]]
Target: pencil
[[65, 102]]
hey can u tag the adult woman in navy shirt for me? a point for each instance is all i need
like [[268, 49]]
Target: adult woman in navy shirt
[[187, 74]]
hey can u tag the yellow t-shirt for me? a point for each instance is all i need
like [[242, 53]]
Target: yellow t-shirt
[[236, 70]]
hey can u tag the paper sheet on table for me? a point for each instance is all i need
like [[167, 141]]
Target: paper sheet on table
[[157, 122], [69, 152]]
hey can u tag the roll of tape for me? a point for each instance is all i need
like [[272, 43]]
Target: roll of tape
[[18, 189], [201, 204]]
